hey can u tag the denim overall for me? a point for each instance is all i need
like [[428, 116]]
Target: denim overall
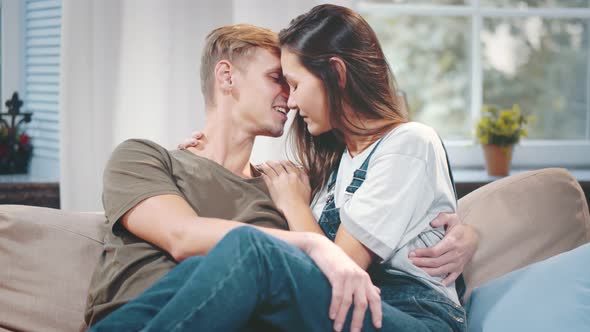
[[399, 289]]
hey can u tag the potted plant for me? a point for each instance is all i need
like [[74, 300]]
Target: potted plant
[[498, 131], [14, 156], [16, 148]]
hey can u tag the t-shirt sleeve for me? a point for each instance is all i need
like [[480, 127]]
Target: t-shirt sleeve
[[136, 170], [381, 210]]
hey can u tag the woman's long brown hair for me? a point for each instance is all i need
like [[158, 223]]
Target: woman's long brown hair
[[328, 31]]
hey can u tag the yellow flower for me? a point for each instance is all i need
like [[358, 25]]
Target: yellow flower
[[501, 127]]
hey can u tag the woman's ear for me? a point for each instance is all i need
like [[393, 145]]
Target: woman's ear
[[223, 76], [340, 67]]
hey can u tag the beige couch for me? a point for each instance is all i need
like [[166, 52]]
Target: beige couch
[[47, 256]]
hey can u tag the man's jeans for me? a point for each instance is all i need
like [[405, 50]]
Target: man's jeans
[[251, 281]]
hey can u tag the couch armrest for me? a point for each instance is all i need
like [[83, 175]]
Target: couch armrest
[[523, 219], [46, 262]]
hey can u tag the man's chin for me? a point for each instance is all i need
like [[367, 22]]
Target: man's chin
[[272, 132], [278, 133]]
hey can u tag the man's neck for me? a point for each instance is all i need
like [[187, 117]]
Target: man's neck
[[226, 143]]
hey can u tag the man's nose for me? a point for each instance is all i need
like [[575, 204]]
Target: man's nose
[[285, 90]]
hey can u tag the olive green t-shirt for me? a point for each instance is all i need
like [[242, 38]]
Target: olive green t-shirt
[[139, 169]]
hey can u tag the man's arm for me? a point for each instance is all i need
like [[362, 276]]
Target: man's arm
[[170, 223], [449, 256]]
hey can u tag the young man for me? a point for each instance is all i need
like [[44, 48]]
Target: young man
[[165, 206]]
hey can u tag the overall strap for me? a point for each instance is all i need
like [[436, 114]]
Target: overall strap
[[360, 174]]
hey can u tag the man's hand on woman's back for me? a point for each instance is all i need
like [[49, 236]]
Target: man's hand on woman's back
[[452, 253]]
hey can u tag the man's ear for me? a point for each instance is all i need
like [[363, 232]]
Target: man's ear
[[340, 67], [223, 75]]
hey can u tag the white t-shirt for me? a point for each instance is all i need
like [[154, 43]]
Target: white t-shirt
[[407, 185]]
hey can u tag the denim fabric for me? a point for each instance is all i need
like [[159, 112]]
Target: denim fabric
[[413, 296], [330, 219], [251, 281]]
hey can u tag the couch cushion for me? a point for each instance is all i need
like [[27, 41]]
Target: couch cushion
[[48, 257], [523, 219], [552, 295]]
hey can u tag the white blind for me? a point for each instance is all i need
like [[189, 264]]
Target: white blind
[[42, 24]]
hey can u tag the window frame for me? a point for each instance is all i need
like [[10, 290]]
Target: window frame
[[11, 49], [528, 153]]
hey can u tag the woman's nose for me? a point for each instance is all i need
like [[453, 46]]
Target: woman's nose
[[291, 104]]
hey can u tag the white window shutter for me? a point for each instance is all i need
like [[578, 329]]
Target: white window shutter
[[42, 32]]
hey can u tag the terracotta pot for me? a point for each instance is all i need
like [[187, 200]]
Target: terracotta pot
[[498, 159]]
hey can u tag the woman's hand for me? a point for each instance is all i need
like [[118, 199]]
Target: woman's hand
[[287, 183], [449, 256], [350, 284]]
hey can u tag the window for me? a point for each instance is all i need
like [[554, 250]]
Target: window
[[41, 31], [30, 43], [10, 49], [453, 56], [1, 42]]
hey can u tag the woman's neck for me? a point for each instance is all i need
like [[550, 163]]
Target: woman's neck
[[356, 144]]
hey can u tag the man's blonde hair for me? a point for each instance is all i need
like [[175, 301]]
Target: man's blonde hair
[[232, 43]]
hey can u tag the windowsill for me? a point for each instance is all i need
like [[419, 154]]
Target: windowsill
[[480, 175], [41, 170], [27, 178], [23, 189], [461, 174]]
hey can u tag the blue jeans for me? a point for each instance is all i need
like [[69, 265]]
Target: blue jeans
[[251, 281]]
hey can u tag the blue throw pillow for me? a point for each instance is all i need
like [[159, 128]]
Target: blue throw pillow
[[551, 295]]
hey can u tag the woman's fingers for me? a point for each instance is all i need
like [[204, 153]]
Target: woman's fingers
[[277, 166], [296, 169], [289, 167], [266, 179], [264, 168]]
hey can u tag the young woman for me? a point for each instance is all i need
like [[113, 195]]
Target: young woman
[[376, 181]]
